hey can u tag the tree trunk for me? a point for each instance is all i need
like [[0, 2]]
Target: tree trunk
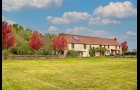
[[59, 53], [101, 53], [36, 53], [18, 51]]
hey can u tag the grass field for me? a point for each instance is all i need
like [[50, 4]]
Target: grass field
[[70, 74]]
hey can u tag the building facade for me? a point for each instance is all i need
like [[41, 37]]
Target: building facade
[[83, 43]]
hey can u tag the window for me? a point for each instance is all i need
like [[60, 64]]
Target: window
[[108, 51], [108, 46], [119, 51], [115, 47], [72, 46], [75, 38], [85, 46], [90, 46]]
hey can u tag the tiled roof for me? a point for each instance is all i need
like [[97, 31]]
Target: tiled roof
[[90, 40]]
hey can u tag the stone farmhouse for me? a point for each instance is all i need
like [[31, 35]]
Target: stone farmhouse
[[83, 43]]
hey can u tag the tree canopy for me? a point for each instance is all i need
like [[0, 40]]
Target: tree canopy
[[124, 46], [59, 43]]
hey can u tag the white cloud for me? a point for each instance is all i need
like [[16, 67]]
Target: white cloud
[[131, 41], [10, 5], [130, 33], [52, 28], [118, 9], [9, 21], [69, 17], [127, 36], [89, 32], [57, 20], [100, 21], [72, 17]]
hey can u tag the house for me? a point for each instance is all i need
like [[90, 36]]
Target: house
[[83, 43]]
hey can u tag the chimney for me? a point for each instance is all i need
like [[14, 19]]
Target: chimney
[[115, 39]]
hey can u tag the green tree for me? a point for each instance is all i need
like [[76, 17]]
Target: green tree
[[101, 50], [47, 48], [92, 51]]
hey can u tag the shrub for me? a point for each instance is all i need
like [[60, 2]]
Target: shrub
[[111, 54], [46, 52], [92, 51], [73, 53], [129, 53], [101, 50]]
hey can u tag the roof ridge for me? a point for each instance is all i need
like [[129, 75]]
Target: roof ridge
[[90, 39], [89, 36]]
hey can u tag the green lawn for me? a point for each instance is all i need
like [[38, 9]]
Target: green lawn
[[70, 74]]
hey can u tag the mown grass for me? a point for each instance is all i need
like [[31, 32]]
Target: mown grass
[[70, 74]]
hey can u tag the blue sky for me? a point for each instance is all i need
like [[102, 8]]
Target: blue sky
[[101, 18]]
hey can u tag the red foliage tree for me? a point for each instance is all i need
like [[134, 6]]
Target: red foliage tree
[[36, 41], [124, 46], [59, 43], [7, 39]]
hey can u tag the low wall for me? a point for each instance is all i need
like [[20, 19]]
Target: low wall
[[126, 56], [30, 57]]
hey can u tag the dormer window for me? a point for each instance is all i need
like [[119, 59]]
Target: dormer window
[[75, 38]]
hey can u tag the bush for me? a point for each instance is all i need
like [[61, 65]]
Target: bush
[[111, 54], [92, 51], [129, 53], [133, 53], [117, 54], [101, 50], [46, 52], [14, 51], [73, 53]]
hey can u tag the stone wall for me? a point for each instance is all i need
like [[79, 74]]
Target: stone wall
[[31, 57]]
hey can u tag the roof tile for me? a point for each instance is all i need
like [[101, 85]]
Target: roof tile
[[90, 40]]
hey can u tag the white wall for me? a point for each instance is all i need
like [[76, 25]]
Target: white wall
[[80, 47]]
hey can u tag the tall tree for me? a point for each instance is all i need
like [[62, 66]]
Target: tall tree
[[59, 43], [124, 46], [7, 39], [36, 41], [47, 48]]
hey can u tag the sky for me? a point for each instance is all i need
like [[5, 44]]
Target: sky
[[97, 18]]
